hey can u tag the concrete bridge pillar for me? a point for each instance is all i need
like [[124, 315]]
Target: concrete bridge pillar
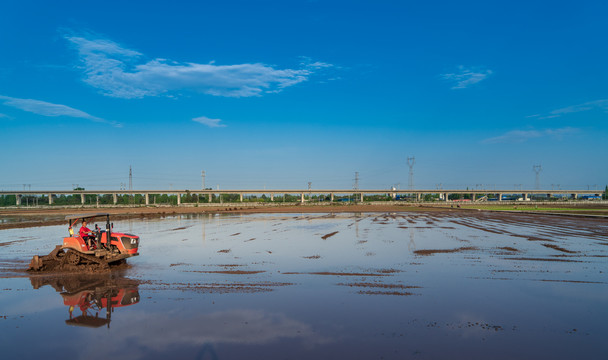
[[418, 197], [241, 196], [473, 197], [82, 199], [147, 199], [526, 197], [361, 197], [446, 196], [179, 199], [331, 197], [271, 196], [499, 197], [574, 196], [18, 197], [115, 198], [302, 198], [50, 199]]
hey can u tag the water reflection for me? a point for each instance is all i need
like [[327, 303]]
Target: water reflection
[[404, 285], [91, 299]]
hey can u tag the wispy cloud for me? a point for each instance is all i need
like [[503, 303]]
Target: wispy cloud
[[124, 73], [591, 105], [212, 123], [308, 63], [4, 116], [519, 136], [49, 109], [197, 331], [466, 76]]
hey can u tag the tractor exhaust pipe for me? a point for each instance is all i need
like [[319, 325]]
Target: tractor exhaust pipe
[[108, 234]]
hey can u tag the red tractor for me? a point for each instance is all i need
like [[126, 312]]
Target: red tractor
[[102, 247]]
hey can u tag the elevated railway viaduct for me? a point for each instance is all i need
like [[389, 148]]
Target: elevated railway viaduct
[[415, 195]]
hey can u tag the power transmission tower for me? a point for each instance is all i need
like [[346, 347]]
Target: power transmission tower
[[203, 178], [130, 178], [309, 191], [537, 169], [410, 162], [356, 185]]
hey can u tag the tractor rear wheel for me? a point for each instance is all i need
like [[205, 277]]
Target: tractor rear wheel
[[73, 258]]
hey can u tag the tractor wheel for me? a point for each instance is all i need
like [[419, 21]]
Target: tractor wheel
[[73, 258]]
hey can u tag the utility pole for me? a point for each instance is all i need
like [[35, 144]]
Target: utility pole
[[203, 178], [410, 162], [130, 179], [537, 169], [131, 197]]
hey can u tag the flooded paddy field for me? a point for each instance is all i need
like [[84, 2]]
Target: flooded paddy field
[[420, 285]]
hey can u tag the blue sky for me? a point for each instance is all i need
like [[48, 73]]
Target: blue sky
[[279, 93]]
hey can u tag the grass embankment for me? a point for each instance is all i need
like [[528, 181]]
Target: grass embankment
[[582, 209]]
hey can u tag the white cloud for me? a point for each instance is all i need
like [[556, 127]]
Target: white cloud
[[49, 109], [518, 136], [591, 105], [212, 123], [124, 73], [466, 77], [307, 62]]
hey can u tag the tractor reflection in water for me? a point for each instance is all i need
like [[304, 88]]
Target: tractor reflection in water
[[91, 295]]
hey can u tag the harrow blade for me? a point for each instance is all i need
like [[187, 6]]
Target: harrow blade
[[49, 261]]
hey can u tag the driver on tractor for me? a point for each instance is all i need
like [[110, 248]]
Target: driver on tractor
[[86, 234]]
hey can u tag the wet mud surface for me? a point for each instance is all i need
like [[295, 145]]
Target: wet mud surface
[[391, 285]]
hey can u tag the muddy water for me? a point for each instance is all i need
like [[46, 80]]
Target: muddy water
[[464, 285]]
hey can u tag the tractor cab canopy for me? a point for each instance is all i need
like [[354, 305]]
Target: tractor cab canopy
[[73, 219], [86, 216]]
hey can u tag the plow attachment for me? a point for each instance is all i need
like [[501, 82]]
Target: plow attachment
[[47, 262]]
